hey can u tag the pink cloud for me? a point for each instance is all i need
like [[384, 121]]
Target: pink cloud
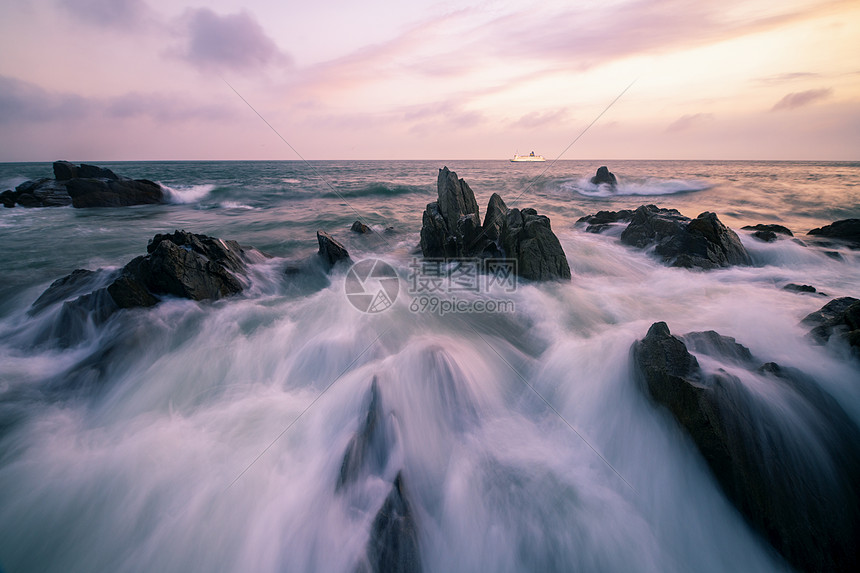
[[801, 99]]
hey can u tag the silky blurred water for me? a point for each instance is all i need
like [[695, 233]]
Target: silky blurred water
[[122, 451]]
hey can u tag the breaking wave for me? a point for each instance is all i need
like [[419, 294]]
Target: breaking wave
[[649, 186]]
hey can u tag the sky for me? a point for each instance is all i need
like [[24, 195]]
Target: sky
[[115, 80]]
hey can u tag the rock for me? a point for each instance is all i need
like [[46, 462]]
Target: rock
[[452, 223], [28, 200], [603, 219], [63, 170], [452, 229], [360, 228], [847, 230], [703, 242], [393, 545], [42, 192], [368, 448], [181, 264], [331, 250], [790, 464], [86, 171], [839, 317], [114, 192], [793, 287], [603, 175], [80, 280], [712, 343], [775, 229], [7, 198], [766, 236]]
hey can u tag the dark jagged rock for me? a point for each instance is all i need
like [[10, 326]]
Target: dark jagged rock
[[63, 170], [452, 228], [393, 545], [360, 228], [180, 264], [368, 448], [28, 200], [792, 470], [603, 219], [847, 230], [772, 228], [78, 281], [712, 343], [603, 175], [86, 171], [452, 222], [330, 249], [703, 242], [108, 192], [42, 192], [839, 317]]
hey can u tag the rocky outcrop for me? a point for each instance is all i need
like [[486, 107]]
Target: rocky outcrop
[[768, 233], [790, 465], [452, 229], [393, 545], [846, 230], [603, 175], [703, 242], [360, 228], [841, 318], [180, 264], [803, 289], [84, 186], [330, 250]]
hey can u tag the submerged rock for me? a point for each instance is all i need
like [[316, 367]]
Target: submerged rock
[[84, 186], [794, 287], [368, 448], [451, 228], [393, 545], [839, 317], [791, 466], [770, 228], [601, 220], [847, 230], [603, 175], [330, 249]]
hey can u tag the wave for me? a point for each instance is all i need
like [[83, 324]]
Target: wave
[[188, 193], [649, 186], [373, 189]]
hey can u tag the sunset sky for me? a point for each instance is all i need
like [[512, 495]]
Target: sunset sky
[[101, 80]]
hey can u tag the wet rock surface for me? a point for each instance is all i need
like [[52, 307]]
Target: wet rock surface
[[791, 467], [846, 230], [838, 318]]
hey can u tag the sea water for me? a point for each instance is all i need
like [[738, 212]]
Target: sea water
[[209, 436]]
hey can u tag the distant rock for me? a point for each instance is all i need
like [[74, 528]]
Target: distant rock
[[772, 228], [847, 230], [603, 175], [452, 229], [790, 465], [360, 228], [330, 249], [84, 186], [393, 545], [107, 192], [839, 317], [7, 198]]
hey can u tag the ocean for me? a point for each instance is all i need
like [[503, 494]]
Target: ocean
[[209, 436]]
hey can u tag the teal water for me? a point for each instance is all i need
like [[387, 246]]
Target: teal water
[[120, 452]]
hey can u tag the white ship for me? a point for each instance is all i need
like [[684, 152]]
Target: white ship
[[530, 157]]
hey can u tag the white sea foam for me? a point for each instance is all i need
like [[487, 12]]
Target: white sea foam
[[642, 187], [188, 193]]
